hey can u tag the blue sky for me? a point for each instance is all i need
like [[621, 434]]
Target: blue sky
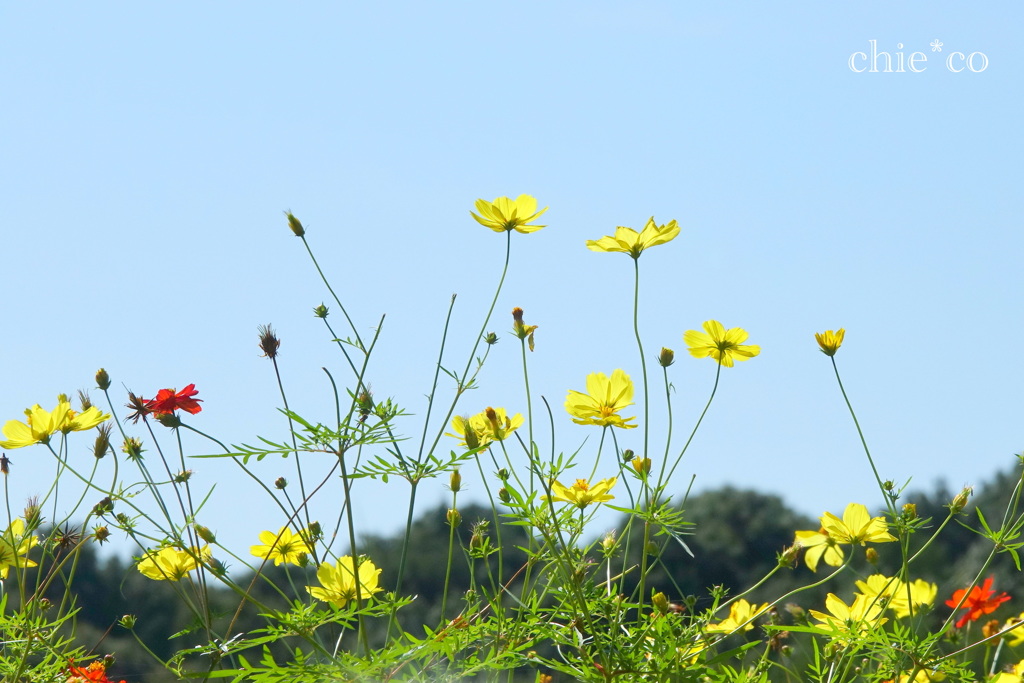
[[151, 149]]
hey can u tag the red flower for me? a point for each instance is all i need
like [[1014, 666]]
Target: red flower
[[979, 601], [94, 673], [167, 401]]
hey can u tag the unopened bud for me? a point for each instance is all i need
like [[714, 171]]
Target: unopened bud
[[182, 477], [628, 455], [294, 224], [102, 379], [503, 474], [660, 602], [280, 483], [216, 567], [491, 338], [667, 357], [103, 507], [205, 534], [315, 532], [108, 661], [455, 482], [472, 440], [101, 534], [132, 447], [320, 311], [454, 517], [503, 495], [608, 543], [789, 555], [960, 502], [871, 555], [910, 512], [45, 604], [127, 621], [169, 420]]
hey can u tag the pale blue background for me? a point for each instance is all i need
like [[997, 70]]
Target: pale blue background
[[149, 150]]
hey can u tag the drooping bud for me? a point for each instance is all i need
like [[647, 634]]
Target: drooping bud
[[660, 602], [102, 379], [667, 357], [294, 224]]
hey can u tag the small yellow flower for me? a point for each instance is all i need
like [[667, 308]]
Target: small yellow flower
[[896, 595], [830, 341], [504, 214], [604, 399], [741, 617], [339, 581], [283, 547], [14, 547], [493, 424], [41, 424], [629, 241], [850, 620], [172, 564], [719, 343], [581, 494]]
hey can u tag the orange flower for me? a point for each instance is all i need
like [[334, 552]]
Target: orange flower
[[167, 401], [95, 672], [977, 601]]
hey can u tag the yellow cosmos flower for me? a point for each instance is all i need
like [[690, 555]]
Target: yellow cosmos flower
[[896, 595], [850, 620], [14, 547], [719, 343], [629, 241], [741, 617], [504, 214], [604, 399], [819, 545], [856, 527], [339, 581], [830, 341], [1015, 674], [581, 494], [493, 424], [172, 564], [284, 547], [41, 424]]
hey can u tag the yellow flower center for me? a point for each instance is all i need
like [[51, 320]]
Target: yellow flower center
[[581, 485]]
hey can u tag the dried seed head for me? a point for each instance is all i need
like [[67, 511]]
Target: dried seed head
[[268, 341]]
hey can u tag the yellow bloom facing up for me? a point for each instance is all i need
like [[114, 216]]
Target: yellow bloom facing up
[[604, 399], [338, 581], [41, 424], [493, 424], [896, 595], [504, 214], [856, 527], [819, 546], [741, 617], [723, 345], [830, 341], [172, 564], [629, 241], [581, 494], [14, 547], [283, 547]]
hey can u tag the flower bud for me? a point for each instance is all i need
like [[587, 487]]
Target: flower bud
[[910, 512], [101, 534], [503, 474], [182, 477], [127, 621], [132, 447], [108, 661], [320, 311], [960, 502], [491, 338], [102, 379], [472, 440], [33, 514], [216, 567], [628, 455], [667, 357], [45, 604], [789, 555], [871, 555], [169, 420], [315, 532], [608, 544], [660, 602], [642, 466], [103, 507], [280, 483], [503, 495], [205, 534], [652, 549], [455, 482], [454, 517], [294, 224]]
